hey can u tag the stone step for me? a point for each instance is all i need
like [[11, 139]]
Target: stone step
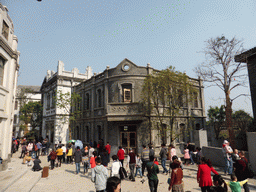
[[26, 182]]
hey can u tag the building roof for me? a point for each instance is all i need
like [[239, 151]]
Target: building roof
[[243, 56], [32, 88]]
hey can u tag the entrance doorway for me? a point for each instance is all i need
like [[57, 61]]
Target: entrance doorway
[[128, 137]]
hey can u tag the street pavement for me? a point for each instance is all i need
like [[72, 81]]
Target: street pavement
[[19, 177]]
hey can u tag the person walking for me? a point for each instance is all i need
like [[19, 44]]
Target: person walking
[[204, 174], [64, 149], [78, 159], [115, 167], [69, 154], [108, 149], [104, 157], [91, 150], [59, 152], [39, 147], [241, 170], [23, 150], [186, 156], [131, 160], [53, 156], [138, 166], [153, 170], [176, 182], [73, 152], [151, 150], [163, 155], [99, 176], [86, 162], [92, 160], [120, 155], [191, 149], [227, 151], [144, 158]]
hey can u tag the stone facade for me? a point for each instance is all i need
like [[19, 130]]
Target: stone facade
[[53, 82], [111, 109], [9, 66], [249, 57]]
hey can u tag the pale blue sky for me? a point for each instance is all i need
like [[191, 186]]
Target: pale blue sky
[[98, 33]]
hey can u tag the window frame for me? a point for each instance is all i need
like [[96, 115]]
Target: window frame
[[5, 30], [3, 60]]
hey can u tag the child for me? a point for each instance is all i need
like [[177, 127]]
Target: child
[[218, 181], [186, 156], [138, 166], [234, 185], [235, 155], [85, 161], [99, 175], [92, 160]]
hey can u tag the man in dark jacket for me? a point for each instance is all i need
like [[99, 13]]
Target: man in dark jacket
[[78, 159], [241, 170], [151, 150], [152, 169], [163, 155], [131, 159]]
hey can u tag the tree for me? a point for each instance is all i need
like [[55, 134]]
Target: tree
[[242, 120], [69, 106], [31, 113], [216, 118], [164, 95], [222, 71]]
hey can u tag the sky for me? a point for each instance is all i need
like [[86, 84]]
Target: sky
[[100, 33]]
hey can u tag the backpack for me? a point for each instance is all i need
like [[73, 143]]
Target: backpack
[[249, 171]]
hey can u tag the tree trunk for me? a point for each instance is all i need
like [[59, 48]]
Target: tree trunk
[[229, 120]]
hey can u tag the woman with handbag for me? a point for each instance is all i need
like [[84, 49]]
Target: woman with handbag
[[204, 174], [176, 182]]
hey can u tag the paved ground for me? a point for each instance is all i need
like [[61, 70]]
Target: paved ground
[[19, 177]]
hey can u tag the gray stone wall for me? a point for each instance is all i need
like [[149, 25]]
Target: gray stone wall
[[251, 140]]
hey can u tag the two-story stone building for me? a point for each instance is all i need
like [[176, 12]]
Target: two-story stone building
[[9, 66], [53, 83], [111, 110]]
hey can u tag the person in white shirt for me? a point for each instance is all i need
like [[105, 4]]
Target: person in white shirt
[[227, 151], [64, 152], [115, 166], [91, 150]]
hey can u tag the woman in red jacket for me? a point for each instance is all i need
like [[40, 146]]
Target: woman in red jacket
[[204, 174]]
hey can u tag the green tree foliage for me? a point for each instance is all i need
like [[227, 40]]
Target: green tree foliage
[[31, 113], [222, 71], [164, 95], [217, 118], [242, 120], [69, 106]]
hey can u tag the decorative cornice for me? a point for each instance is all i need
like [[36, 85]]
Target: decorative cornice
[[8, 49]]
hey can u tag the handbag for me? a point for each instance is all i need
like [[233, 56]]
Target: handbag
[[122, 173], [169, 181]]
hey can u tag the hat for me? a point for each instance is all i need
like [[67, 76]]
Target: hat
[[225, 142]]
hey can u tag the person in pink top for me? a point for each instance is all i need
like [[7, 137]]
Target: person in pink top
[[186, 156], [173, 151]]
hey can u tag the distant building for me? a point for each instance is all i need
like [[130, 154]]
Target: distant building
[[111, 110], [62, 81], [9, 66], [249, 57], [24, 94]]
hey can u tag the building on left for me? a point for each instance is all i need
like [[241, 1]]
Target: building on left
[[9, 67]]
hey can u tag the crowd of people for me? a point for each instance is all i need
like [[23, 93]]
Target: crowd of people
[[96, 156]]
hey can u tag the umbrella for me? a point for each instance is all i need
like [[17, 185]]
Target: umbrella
[[79, 143], [71, 141]]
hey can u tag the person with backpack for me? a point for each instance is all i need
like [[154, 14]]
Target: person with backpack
[[153, 170], [163, 155], [241, 170], [99, 176], [53, 156], [69, 154]]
